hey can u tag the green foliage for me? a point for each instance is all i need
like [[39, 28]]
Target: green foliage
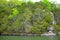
[[18, 16], [14, 13], [48, 4], [41, 20]]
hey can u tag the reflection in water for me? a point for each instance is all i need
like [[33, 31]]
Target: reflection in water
[[53, 37]]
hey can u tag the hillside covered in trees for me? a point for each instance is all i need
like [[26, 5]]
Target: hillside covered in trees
[[28, 17]]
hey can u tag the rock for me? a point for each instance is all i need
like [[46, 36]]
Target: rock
[[50, 33]]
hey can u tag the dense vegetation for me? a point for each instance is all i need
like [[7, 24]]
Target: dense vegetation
[[20, 16]]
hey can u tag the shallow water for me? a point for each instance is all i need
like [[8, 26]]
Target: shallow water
[[29, 37]]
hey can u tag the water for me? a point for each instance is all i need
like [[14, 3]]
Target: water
[[29, 37], [51, 38], [54, 37]]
